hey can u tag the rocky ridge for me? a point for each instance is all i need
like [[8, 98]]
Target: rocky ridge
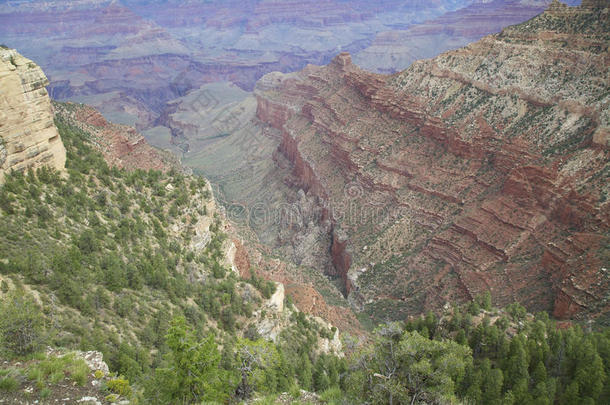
[[129, 58], [142, 63], [121, 145], [393, 51], [482, 169], [28, 138]]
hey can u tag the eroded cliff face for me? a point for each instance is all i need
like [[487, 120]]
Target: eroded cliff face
[[121, 145], [28, 138], [485, 168]]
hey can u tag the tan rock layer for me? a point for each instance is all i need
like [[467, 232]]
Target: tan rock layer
[[28, 137]]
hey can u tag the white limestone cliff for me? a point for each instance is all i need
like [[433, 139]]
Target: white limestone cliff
[[28, 137]]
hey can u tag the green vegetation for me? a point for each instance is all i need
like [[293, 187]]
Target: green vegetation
[[8, 383], [119, 386], [574, 141], [44, 372], [21, 325], [583, 22], [470, 355], [193, 373], [54, 369], [101, 259], [513, 357], [406, 367]]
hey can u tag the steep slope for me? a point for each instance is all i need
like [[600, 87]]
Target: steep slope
[[105, 257], [485, 168], [28, 138], [112, 251]]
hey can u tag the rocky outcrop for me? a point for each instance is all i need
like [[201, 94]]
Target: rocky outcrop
[[91, 392], [274, 317], [121, 145], [28, 138], [484, 169], [94, 360]]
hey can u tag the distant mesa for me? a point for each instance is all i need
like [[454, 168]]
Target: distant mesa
[[343, 59]]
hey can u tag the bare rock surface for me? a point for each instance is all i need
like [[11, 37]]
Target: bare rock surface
[[28, 138], [394, 50]]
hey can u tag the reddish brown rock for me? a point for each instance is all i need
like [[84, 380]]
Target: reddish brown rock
[[305, 296], [483, 169], [242, 261], [121, 145]]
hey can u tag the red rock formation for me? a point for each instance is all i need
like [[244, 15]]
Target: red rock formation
[[122, 146], [242, 261], [482, 169], [305, 296]]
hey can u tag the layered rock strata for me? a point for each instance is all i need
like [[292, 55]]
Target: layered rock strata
[[392, 51], [484, 169], [28, 138], [121, 145]]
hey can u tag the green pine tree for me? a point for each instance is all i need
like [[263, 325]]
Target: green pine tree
[[193, 372]]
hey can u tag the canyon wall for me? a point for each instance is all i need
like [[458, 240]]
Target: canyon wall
[[394, 50], [484, 169], [28, 138]]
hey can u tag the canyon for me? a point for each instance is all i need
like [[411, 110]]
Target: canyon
[[433, 233], [483, 169], [113, 203], [121, 145], [31, 128], [394, 50]]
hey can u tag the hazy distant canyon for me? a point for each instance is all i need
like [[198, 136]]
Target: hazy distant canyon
[[136, 60]]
